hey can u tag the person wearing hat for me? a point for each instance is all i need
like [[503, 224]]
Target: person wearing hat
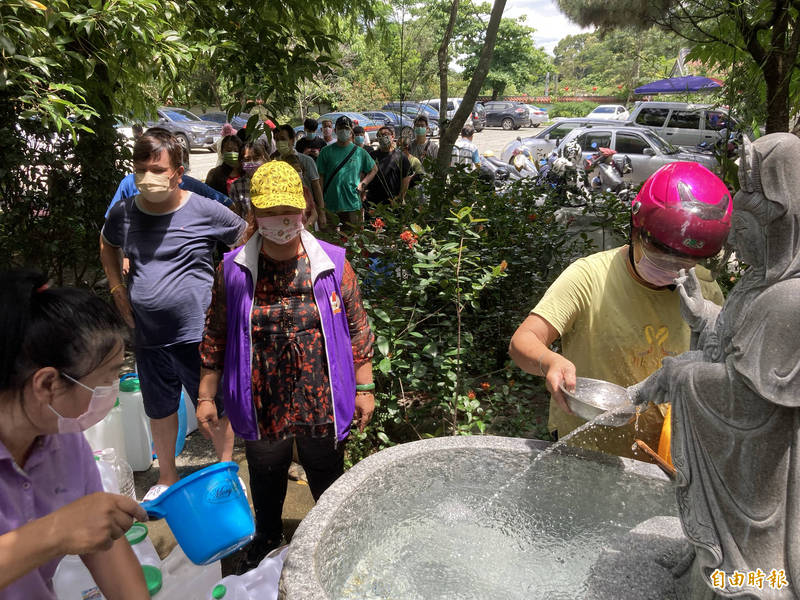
[[287, 335], [346, 171]]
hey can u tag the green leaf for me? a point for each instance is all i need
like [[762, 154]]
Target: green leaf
[[383, 345], [385, 366], [381, 314], [383, 437]]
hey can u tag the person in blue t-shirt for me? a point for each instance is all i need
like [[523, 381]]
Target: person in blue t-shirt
[[169, 236]]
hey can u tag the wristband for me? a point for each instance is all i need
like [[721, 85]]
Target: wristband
[[199, 400], [116, 287], [365, 387]]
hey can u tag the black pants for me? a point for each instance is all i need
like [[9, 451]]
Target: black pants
[[268, 463]]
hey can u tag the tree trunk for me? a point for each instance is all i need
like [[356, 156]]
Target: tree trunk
[[450, 133], [442, 55], [777, 80]]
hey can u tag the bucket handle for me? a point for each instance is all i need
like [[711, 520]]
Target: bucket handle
[[152, 510], [129, 376]]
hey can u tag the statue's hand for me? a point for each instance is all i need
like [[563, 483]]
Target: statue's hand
[[694, 308], [648, 390]]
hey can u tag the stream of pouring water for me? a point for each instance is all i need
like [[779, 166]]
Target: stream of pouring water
[[601, 419]]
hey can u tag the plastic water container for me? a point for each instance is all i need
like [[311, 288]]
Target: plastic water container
[[142, 546], [72, 581], [135, 423], [115, 473], [108, 433], [184, 579], [260, 583], [207, 512]]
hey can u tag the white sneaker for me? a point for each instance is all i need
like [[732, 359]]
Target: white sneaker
[[155, 491]]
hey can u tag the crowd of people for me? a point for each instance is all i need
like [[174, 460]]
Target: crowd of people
[[271, 340]]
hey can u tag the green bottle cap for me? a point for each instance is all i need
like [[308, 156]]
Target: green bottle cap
[[152, 576], [129, 385], [218, 592], [137, 533]]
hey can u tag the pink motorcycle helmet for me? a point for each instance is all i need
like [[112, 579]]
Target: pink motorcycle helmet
[[686, 208]]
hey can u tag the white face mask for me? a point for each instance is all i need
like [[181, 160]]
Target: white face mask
[[280, 229], [103, 398], [154, 187]]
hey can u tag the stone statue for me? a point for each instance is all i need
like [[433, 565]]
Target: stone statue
[[736, 396]]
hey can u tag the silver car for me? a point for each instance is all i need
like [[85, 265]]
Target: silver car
[[646, 149], [684, 124], [544, 142]]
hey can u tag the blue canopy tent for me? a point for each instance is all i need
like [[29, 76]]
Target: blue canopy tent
[[680, 85]]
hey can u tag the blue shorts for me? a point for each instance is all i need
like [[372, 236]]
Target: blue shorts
[[163, 372]]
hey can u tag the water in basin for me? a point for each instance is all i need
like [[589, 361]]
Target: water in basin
[[435, 527]]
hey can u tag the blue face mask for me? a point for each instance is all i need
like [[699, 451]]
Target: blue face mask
[[310, 135], [359, 139], [343, 135]]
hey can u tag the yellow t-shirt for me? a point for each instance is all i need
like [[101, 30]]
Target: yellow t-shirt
[[616, 329]]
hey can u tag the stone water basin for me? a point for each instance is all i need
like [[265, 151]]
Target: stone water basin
[[487, 517]]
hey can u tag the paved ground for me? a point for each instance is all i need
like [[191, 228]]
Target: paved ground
[[493, 139]]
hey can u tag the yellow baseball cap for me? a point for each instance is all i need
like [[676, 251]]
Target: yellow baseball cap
[[277, 183]]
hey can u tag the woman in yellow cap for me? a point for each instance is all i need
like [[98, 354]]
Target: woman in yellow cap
[[287, 334]]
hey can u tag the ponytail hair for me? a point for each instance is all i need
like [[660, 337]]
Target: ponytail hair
[[68, 329]]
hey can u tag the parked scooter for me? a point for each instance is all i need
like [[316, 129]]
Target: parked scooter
[[609, 170]]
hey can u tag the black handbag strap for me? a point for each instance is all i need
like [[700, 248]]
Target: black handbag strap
[[328, 180]]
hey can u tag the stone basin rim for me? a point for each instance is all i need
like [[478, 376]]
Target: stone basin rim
[[298, 582]]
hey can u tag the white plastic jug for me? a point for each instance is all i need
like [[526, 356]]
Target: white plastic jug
[[183, 579], [142, 546], [136, 425], [260, 583], [72, 581], [108, 433]]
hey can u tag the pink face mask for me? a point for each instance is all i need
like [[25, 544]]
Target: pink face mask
[[103, 398], [652, 273], [280, 229]]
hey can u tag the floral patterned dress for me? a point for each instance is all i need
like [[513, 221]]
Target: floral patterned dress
[[291, 389]]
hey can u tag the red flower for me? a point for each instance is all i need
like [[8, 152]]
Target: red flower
[[485, 386], [532, 217], [619, 87], [409, 238], [471, 395], [566, 89], [378, 224], [594, 88]]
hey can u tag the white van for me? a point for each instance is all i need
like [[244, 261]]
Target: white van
[[684, 124], [452, 105]]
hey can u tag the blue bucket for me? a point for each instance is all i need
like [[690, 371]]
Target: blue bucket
[[207, 512]]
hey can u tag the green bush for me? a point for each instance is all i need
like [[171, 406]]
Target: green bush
[[54, 191], [447, 277]]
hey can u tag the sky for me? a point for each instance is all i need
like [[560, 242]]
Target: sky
[[544, 16]]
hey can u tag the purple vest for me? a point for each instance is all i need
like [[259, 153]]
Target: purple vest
[[237, 375]]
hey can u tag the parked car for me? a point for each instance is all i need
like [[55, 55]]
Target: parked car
[[402, 124], [612, 112], [684, 124], [646, 149], [192, 131], [412, 109], [537, 115], [368, 124], [544, 142], [479, 116], [505, 114], [237, 122]]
